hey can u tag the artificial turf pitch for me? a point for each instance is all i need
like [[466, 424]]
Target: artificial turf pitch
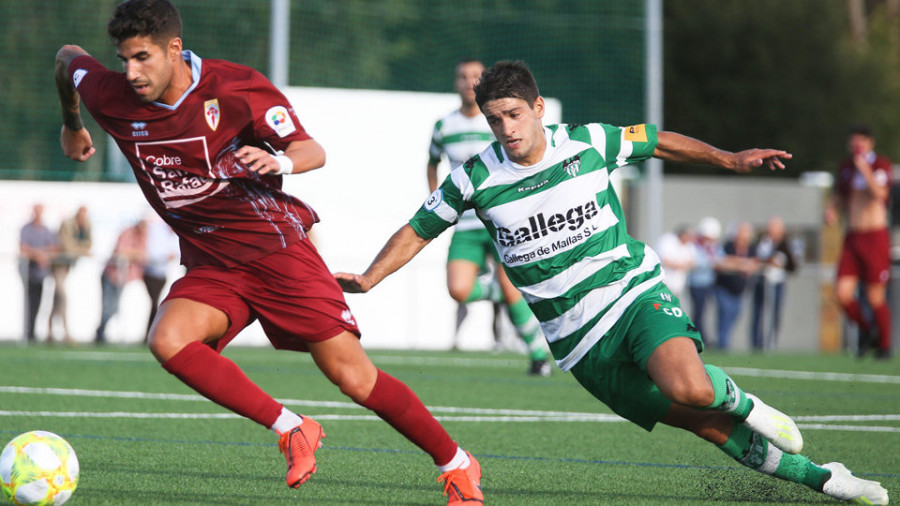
[[142, 437]]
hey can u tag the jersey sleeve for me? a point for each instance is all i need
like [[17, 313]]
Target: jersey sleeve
[[436, 149], [622, 146], [274, 119], [443, 207], [89, 75], [882, 171]]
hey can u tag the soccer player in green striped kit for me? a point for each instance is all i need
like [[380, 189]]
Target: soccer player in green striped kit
[[544, 194]]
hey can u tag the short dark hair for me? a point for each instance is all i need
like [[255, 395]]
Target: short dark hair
[[506, 79], [158, 19], [860, 129]]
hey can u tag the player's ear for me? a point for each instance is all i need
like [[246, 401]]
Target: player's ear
[[173, 48], [538, 107]]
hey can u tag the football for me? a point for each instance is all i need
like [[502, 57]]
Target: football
[[38, 467]]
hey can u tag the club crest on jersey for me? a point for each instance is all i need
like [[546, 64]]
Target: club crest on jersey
[[572, 165], [279, 120], [212, 113]]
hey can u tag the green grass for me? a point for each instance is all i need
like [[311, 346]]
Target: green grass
[[133, 458]]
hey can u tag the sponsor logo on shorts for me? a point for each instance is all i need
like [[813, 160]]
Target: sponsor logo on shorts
[[348, 317], [671, 311]]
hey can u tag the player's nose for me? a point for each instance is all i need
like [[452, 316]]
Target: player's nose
[[131, 71]]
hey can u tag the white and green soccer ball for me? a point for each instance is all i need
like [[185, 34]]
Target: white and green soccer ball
[[38, 467]]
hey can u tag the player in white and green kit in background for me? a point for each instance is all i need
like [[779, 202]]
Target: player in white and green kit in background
[[544, 195], [460, 135]]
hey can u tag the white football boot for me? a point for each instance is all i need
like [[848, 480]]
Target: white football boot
[[775, 426], [843, 485]]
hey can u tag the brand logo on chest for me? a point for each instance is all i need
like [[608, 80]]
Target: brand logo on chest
[[139, 129]]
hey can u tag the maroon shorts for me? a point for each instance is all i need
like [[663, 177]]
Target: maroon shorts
[[867, 256], [290, 291]]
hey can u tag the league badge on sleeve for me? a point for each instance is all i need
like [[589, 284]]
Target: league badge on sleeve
[[279, 120], [636, 133], [212, 113]]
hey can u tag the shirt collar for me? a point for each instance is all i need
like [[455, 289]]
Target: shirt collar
[[196, 65]]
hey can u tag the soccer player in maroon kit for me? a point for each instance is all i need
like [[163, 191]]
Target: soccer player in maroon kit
[[862, 192], [209, 141]]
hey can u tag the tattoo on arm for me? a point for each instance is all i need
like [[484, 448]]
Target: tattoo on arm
[[68, 97]]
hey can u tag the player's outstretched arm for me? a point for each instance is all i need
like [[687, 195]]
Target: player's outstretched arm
[[75, 139], [400, 249], [675, 147]]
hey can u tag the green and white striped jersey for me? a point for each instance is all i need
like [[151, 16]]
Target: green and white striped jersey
[[460, 138], [559, 228]]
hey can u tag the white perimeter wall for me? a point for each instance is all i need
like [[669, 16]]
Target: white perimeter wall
[[373, 181]]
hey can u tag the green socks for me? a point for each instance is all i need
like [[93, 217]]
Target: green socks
[[485, 289], [753, 451], [528, 328], [729, 397], [520, 314]]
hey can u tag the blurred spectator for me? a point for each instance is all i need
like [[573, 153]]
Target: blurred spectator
[[733, 271], [862, 192], [74, 242], [677, 254], [777, 259], [162, 248], [702, 277], [126, 264], [37, 245]]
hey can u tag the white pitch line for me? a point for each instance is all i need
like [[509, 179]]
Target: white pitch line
[[75, 392], [335, 417], [811, 375], [513, 362], [849, 428], [479, 412], [847, 418], [228, 416]]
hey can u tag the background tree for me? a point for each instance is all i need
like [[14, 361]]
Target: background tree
[[786, 74]]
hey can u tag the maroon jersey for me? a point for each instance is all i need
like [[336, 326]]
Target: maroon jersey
[[849, 178], [183, 157]]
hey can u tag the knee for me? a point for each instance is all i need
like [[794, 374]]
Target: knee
[[845, 296], [356, 386], [459, 291], [876, 297], [164, 342]]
